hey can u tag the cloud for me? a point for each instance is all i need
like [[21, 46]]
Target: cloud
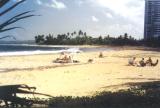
[[94, 19], [53, 4], [131, 9], [57, 4], [79, 2], [39, 2], [108, 15]]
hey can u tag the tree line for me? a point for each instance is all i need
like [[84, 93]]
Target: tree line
[[81, 38]]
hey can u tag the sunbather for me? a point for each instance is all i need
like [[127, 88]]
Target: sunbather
[[66, 59], [62, 56]]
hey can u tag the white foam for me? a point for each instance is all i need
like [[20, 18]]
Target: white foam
[[70, 50], [74, 50], [53, 46]]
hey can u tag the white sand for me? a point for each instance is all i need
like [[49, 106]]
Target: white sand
[[77, 79]]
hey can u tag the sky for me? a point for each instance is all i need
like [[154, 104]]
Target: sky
[[96, 17]]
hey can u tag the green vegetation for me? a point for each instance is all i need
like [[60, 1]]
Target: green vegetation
[[141, 95], [81, 38]]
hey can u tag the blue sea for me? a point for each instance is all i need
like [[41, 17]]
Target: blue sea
[[26, 49]]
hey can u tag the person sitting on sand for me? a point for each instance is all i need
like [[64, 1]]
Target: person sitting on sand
[[90, 60], [61, 57], [155, 64], [142, 63], [150, 63], [69, 59], [132, 62], [101, 55], [65, 57]]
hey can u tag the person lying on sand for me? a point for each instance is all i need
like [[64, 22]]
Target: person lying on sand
[[149, 62], [65, 59], [90, 60], [131, 61]]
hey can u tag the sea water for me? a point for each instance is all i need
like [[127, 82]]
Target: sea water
[[27, 49]]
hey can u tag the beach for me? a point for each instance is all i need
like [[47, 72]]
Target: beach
[[110, 73]]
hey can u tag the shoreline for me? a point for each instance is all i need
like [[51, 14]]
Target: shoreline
[[67, 49]]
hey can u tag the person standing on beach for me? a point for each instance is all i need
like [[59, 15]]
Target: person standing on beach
[[101, 55], [132, 62]]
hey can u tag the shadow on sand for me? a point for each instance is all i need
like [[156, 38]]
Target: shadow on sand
[[9, 97], [140, 95]]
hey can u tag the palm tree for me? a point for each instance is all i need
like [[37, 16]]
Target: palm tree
[[125, 36], [49, 39], [120, 37], [39, 39], [80, 32], [108, 36], [68, 33], [5, 26], [85, 34], [74, 32]]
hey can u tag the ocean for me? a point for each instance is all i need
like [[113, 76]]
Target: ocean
[[26, 49]]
